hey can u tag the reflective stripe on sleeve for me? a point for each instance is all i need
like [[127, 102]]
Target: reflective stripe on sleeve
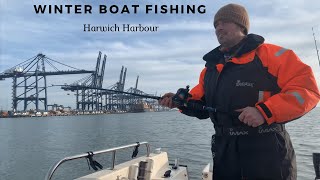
[[260, 98], [280, 52], [297, 96]]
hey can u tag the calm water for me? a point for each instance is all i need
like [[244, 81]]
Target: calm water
[[30, 146]]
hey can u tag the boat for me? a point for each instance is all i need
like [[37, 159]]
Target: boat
[[152, 166], [141, 107]]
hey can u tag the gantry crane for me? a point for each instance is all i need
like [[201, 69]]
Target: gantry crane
[[87, 94], [30, 80]]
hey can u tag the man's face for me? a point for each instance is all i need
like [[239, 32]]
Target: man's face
[[228, 33]]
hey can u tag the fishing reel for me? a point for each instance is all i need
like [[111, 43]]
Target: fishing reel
[[181, 97]]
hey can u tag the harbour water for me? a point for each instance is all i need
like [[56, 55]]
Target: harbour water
[[30, 146]]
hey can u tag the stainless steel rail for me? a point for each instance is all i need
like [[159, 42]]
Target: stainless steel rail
[[84, 155]]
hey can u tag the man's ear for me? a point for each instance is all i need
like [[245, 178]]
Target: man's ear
[[244, 31]]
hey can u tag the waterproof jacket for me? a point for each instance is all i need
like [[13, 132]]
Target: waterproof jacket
[[272, 79], [269, 77]]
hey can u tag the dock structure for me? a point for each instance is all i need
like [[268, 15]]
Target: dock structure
[[29, 80], [30, 86], [90, 96], [128, 101]]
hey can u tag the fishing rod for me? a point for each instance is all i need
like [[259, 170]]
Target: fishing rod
[[315, 43], [180, 99], [108, 90]]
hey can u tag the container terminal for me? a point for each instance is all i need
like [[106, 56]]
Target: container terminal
[[30, 90]]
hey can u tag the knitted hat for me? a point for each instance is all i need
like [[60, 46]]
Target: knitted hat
[[234, 13]]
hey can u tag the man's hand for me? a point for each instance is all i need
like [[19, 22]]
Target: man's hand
[[166, 100], [251, 116]]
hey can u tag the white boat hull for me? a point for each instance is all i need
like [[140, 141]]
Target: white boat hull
[[157, 165]]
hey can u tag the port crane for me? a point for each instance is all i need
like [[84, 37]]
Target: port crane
[[29, 80]]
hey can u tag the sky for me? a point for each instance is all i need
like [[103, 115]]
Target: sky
[[165, 60]]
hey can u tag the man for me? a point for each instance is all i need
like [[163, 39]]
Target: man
[[255, 89]]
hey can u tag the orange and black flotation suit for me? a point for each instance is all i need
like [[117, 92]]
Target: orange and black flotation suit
[[272, 79]]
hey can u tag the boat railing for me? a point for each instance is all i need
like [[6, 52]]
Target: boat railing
[[85, 155]]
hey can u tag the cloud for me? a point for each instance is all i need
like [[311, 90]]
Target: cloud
[[165, 60]]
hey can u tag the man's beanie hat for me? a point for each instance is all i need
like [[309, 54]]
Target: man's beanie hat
[[234, 13]]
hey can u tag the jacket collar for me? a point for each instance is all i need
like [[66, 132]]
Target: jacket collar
[[251, 42]]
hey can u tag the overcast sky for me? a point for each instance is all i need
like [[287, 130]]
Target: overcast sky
[[165, 60]]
